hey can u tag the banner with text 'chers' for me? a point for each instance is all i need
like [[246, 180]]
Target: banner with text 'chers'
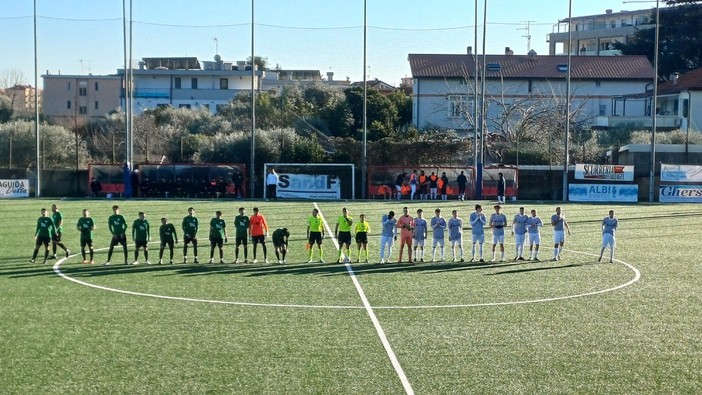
[[604, 172], [14, 188], [680, 193], [681, 173], [308, 186]]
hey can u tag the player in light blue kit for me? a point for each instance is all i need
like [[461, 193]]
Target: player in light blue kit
[[609, 227], [559, 227], [477, 224], [438, 226], [420, 234], [388, 234], [455, 226], [498, 222], [519, 230], [533, 224]]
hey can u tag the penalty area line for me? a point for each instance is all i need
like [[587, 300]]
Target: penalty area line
[[369, 310]]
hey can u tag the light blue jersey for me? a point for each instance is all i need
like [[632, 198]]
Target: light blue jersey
[[557, 222], [477, 223], [609, 225], [533, 224], [438, 225], [455, 226], [498, 223], [520, 224], [389, 229], [420, 228]]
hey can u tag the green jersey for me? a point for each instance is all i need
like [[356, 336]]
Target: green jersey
[[217, 228], [140, 230], [57, 217], [190, 226], [85, 226], [167, 232], [117, 224], [345, 223], [315, 223], [241, 223], [45, 227]]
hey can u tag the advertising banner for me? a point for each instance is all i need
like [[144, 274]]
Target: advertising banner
[[603, 193], [604, 172], [14, 188], [680, 193], [309, 186], [681, 173]]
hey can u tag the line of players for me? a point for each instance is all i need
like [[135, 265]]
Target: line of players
[[413, 233]]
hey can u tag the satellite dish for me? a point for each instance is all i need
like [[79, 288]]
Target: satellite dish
[[217, 58]]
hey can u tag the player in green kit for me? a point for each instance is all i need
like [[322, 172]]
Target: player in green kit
[[118, 228], [241, 224], [86, 226], [44, 232], [343, 235], [141, 234], [168, 236], [218, 235], [280, 243], [57, 217], [190, 227], [315, 233]]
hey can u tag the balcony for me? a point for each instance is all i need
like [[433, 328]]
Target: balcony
[[662, 121]]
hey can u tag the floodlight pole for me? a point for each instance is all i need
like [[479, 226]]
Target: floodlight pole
[[364, 153], [652, 175], [37, 188], [566, 156], [475, 96], [252, 171]]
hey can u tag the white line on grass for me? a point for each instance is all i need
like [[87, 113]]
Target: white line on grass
[[379, 329]]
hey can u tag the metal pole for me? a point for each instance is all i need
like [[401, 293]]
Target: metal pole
[[566, 158], [364, 159], [483, 112], [475, 95], [652, 175], [252, 171], [37, 189], [130, 158]]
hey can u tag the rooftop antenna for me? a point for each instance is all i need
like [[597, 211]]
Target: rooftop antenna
[[216, 44], [528, 33], [81, 65]]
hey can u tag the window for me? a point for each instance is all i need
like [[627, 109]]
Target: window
[[223, 83], [562, 68], [598, 83], [457, 106], [69, 86], [68, 105], [82, 91], [82, 110], [96, 105], [96, 86], [463, 81], [494, 67], [184, 105], [603, 110], [531, 85], [193, 83], [177, 82]]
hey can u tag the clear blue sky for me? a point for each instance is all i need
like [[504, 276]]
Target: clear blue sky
[[81, 36]]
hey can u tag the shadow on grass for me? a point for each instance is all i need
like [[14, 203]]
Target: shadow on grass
[[536, 269]]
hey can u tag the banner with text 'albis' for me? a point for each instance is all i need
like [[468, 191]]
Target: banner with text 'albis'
[[14, 188], [603, 193], [309, 186], [604, 172]]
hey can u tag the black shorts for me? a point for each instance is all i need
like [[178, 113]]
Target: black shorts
[[187, 239], [461, 189], [216, 241], [258, 239], [118, 239], [141, 243], [86, 242], [241, 240], [43, 240], [57, 237], [167, 242], [315, 237], [344, 238], [362, 237], [279, 243]]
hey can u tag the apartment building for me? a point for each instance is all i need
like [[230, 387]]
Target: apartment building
[[75, 100]]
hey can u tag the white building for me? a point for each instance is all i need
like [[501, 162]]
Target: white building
[[442, 90], [188, 83]]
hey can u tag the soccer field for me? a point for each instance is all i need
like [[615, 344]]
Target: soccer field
[[573, 326]]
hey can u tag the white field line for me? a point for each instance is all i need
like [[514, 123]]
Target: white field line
[[379, 329]]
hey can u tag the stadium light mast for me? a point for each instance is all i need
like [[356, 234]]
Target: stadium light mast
[[364, 153], [37, 188], [252, 171], [483, 112], [566, 155], [475, 95]]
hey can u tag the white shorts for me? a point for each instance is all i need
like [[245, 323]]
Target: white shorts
[[608, 240], [438, 242], [419, 242], [478, 238], [534, 238], [519, 239], [498, 239], [457, 242], [558, 236]]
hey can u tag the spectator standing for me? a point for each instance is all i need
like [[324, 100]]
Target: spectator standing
[[271, 184], [461, 181]]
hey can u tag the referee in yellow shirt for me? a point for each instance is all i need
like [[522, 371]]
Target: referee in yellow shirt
[[342, 232], [315, 233]]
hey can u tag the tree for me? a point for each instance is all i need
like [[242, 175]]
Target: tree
[[5, 109], [58, 145], [680, 41]]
